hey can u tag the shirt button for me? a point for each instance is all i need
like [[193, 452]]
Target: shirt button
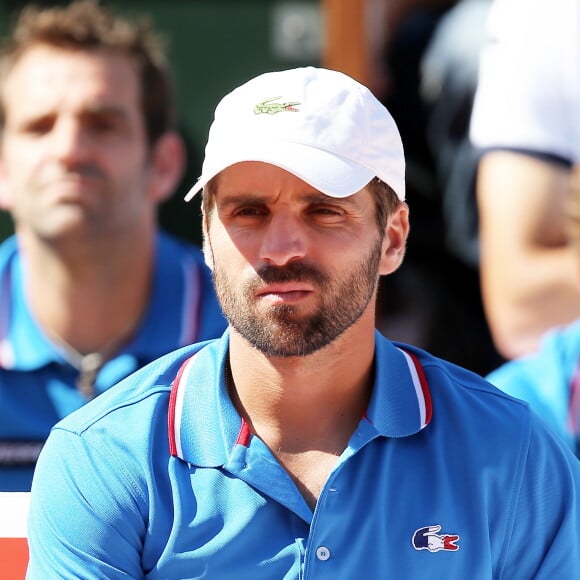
[[323, 553]]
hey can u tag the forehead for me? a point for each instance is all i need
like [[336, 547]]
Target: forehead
[[258, 180], [47, 77]]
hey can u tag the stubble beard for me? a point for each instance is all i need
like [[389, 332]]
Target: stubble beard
[[281, 331]]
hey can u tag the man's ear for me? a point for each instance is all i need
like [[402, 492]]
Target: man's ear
[[206, 246], [395, 241], [168, 165]]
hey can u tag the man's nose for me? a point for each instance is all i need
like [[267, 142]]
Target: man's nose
[[70, 142], [285, 239]]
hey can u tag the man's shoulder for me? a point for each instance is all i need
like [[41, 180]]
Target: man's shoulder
[[483, 418], [139, 397], [564, 338], [445, 373], [557, 357], [457, 390]]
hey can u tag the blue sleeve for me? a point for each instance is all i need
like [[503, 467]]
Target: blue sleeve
[[87, 519], [523, 379], [543, 379], [545, 537]]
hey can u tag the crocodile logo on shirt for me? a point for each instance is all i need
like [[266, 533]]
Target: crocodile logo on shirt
[[427, 538], [268, 107]]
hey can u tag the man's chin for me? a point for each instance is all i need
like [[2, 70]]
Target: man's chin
[[283, 342], [68, 231]]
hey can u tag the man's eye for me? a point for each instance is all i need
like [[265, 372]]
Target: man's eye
[[103, 125], [249, 211], [326, 211], [39, 127]]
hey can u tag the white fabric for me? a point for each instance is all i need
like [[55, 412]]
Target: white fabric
[[14, 514], [528, 95], [320, 125]]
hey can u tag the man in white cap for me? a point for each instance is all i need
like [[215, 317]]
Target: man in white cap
[[303, 444]]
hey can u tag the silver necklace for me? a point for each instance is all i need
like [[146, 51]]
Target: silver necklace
[[88, 364]]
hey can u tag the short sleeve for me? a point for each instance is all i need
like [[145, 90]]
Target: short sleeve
[[86, 519]]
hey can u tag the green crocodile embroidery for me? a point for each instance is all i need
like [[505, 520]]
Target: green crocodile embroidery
[[270, 108]]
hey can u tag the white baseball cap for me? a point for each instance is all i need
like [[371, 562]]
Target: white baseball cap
[[318, 124]]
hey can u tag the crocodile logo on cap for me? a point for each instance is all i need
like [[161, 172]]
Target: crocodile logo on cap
[[268, 107]]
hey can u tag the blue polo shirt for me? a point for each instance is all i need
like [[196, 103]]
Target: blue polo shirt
[[549, 380], [37, 383], [445, 477]]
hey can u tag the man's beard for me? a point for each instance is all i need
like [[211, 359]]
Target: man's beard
[[282, 331]]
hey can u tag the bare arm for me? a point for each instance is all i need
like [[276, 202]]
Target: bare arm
[[529, 272]]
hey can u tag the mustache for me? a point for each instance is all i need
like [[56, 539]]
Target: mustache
[[86, 170], [292, 272]]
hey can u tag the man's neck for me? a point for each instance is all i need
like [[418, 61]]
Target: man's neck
[[309, 398], [89, 299], [305, 408]]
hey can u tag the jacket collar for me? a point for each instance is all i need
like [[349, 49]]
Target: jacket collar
[[24, 346]]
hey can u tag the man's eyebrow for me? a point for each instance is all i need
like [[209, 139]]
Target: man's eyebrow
[[106, 110], [237, 198], [350, 203], [319, 197], [310, 198]]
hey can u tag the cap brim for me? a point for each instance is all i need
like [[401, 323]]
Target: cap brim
[[332, 175]]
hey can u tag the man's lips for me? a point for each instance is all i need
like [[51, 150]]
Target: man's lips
[[72, 187], [289, 291]]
